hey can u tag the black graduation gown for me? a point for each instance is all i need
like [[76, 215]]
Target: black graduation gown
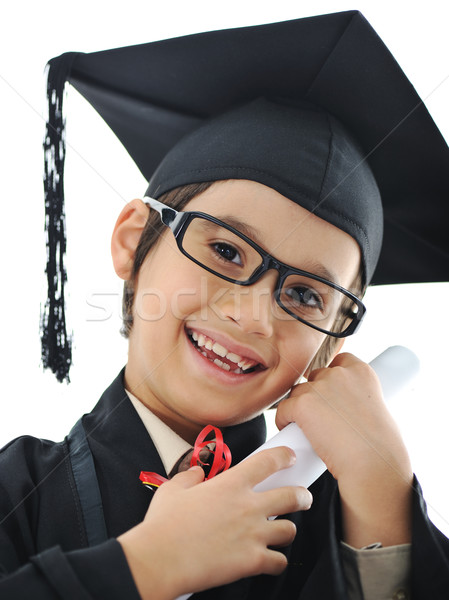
[[43, 545]]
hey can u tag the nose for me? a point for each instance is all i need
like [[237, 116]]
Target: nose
[[251, 307]]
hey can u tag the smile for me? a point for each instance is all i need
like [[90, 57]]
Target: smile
[[221, 356]]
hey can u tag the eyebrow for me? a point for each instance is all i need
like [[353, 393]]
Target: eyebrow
[[243, 227], [314, 268]]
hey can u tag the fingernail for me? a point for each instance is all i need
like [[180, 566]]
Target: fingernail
[[310, 499], [292, 456], [195, 468]]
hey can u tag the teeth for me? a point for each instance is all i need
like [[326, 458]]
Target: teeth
[[220, 350], [242, 363], [222, 365], [235, 358]]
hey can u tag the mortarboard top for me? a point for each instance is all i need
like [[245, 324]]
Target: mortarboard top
[[152, 95]]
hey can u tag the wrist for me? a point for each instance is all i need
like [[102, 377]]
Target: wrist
[[151, 574], [377, 509]]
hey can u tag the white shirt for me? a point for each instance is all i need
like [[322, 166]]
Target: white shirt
[[170, 445]]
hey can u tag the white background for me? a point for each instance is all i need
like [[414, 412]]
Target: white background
[[100, 178]]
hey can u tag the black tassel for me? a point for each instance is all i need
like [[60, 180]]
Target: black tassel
[[56, 344]]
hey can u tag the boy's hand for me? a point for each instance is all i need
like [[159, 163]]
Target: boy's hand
[[196, 537], [342, 412]]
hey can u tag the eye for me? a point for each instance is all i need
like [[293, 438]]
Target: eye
[[227, 253], [302, 296]]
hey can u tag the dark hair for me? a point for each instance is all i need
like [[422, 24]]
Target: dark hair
[[177, 199], [327, 348]]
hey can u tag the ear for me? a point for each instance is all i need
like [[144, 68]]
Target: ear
[[126, 236]]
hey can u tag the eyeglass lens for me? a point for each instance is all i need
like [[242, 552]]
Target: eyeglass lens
[[228, 255]]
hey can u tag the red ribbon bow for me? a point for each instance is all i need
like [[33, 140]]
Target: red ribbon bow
[[221, 462]]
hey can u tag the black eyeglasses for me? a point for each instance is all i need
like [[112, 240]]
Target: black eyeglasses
[[232, 256]]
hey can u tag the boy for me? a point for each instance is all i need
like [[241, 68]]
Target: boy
[[313, 208]]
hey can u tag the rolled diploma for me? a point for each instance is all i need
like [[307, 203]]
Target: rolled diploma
[[395, 368]]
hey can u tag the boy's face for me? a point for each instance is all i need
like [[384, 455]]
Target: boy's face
[[175, 300]]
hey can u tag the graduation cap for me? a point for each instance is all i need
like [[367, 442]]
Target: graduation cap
[[164, 99]]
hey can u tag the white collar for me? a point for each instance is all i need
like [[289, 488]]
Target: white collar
[[169, 444]]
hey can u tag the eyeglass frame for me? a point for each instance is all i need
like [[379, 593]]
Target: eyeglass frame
[[178, 221]]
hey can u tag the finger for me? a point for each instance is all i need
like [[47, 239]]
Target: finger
[[281, 533], [317, 374], [289, 410], [284, 500], [263, 464], [274, 562], [344, 359], [187, 479]]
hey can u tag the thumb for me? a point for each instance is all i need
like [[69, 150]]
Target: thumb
[[189, 478]]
